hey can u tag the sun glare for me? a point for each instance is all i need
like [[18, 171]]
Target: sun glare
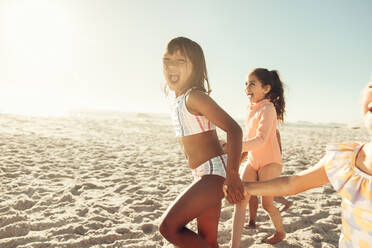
[[33, 104], [38, 39]]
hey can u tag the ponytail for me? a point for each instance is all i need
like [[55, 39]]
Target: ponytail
[[276, 95]]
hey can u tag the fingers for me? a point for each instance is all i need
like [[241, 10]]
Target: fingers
[[230, 199], [236, 199], [233, 190], [240, 193], [238, 196], [227, 194], [233, 195]]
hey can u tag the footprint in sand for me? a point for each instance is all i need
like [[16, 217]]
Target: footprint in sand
[[148, 228], [15, 230], [67, 198], [23, 204], [128, 234], [7, 220], [82, 212], [120, 188]]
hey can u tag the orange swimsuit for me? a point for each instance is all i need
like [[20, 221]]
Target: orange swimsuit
[[261, 142]]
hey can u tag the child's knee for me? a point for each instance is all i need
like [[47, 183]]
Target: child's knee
[[210, 239], [163, 228], [166, 228], [268, 206]]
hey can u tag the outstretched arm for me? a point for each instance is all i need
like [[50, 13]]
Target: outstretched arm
[[290, 185]]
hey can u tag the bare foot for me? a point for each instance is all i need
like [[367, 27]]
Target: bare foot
[[276, 238], [252, 224], [287, 205]]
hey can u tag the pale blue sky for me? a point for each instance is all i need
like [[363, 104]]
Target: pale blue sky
[[107, 54]]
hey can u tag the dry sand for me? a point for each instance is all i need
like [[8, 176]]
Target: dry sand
[[104, 180]]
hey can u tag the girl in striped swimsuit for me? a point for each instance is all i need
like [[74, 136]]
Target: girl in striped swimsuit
[[195, 117]]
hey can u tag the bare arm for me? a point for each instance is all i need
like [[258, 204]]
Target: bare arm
[[290, 185], [204, 105]]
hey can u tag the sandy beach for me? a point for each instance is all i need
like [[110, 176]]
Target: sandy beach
[[104, 180]]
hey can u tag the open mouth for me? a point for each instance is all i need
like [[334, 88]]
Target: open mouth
[[370, 107], [173, 78]]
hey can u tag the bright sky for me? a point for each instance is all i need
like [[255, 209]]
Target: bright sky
[[106, 54]]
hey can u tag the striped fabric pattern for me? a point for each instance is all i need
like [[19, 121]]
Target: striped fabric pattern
[[185, 123], [355, 188], [214, 166]]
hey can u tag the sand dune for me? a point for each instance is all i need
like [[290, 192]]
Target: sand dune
[[104, 180]]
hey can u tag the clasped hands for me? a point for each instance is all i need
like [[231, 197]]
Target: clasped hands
[[233, 186], [233, 189]]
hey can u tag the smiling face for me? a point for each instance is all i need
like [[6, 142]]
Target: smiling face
[[367, 106], [254, 89], [177, 70]]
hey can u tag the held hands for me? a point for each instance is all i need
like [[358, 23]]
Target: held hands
[[233, 189], [233, 186]]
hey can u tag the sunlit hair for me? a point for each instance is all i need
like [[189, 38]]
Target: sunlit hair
[[194, 53], [276, 94]]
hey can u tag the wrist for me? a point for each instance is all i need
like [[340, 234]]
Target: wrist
[[230, 174]]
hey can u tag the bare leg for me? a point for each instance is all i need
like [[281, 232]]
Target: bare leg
[[266, 173], [238, 222], [239, 212], [203, 194], [208, 225], [253, 206], [287, 204]]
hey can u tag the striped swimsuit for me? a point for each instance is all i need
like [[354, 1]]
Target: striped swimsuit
[[186, 124]]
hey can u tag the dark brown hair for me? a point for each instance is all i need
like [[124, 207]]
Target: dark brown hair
[[194, 53], [276, 94]]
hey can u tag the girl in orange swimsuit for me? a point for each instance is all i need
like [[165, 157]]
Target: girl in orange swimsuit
[[265, 91]]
